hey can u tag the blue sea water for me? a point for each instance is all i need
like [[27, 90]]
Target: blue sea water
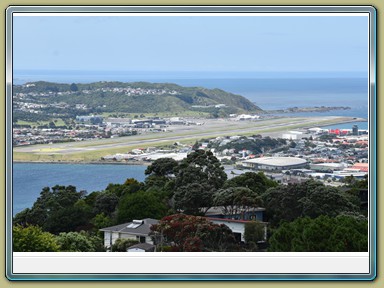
[[30, 178], [268, 91]]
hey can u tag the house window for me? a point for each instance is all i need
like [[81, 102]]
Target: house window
[[141, 239]]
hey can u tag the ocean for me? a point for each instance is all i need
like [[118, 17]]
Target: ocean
[[268, 91]]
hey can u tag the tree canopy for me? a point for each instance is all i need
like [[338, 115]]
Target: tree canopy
[[77, 242], [254, 231], [322, 234], [198, 177], [236, 200], [140, 205], [163, 167], [55, 210], [187, 233], [257, 182], [33, 239], [311, 198]]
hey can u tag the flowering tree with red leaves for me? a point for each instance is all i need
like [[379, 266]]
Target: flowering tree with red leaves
[[187, 233]]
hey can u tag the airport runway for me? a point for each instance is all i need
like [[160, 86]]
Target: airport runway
[[211, 128]]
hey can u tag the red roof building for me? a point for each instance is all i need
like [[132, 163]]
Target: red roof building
[[363, 167]]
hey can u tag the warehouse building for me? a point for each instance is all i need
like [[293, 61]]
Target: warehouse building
[[275, 163]]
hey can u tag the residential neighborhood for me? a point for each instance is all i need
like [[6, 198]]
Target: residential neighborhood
[[317, 153]]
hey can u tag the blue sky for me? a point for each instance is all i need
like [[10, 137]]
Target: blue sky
[[281, 44]]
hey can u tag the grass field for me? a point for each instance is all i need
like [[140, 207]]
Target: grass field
[[59, 122]]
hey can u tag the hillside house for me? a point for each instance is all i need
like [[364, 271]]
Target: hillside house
[[136, 230]]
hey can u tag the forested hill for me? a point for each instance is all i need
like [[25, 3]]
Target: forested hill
[[135, 97]]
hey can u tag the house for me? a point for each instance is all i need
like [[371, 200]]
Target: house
[[236, 222], [142, 247], [136, 230], [256, 213], [237, 227]]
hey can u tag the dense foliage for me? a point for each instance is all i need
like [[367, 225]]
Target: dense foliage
[[33, 239], [311, 199], [56, 210], [122, 245], [140, 205], [187, 233], [302, 217], [79, 242], [198, 177], [322, 234], [236, 200], [254, 232]]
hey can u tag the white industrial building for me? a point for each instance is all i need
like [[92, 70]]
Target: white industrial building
[[275, 163]]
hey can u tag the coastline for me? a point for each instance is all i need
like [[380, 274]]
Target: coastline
[[99, 162], [307, 109]]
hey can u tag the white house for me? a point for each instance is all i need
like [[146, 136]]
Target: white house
[[136, 230], [237, 226], [142, 247]]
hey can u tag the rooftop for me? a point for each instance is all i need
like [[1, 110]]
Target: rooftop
[[277, 161], [136, 227]]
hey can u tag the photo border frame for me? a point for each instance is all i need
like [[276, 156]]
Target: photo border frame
[[190, 9]]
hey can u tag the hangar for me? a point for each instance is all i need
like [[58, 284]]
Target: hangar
[[275, 163]]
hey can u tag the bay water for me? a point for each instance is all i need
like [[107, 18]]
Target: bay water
[[30, 178]]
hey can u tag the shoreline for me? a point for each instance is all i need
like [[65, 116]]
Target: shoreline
[[100, 162], [309, 109]]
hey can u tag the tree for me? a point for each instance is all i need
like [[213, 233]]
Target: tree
[[310, 198], [101, 221], [33, 239], [322, 234], [194, 198], [197, 177], [105, 203], [55, 210], [140, 205], [130, 186], [76, 242], [160, 174], [156, 183], [72, 218], [236, 200], [73, 87], [187, 233], [352, 182], [122, 245], [163, 167], [52, 125], [257, 182], [254, 231]]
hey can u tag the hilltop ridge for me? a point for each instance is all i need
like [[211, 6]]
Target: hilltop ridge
[[133, 97]]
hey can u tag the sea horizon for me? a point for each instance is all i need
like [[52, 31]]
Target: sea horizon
[[21, 76]]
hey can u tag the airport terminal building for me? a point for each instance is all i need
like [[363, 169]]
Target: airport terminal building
[[275, 163]]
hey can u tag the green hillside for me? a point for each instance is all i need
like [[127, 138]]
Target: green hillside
[[136, 97]]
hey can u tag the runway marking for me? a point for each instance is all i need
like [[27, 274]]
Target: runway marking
[[47, 150]]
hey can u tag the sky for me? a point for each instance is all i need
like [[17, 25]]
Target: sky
[[186, 43]]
